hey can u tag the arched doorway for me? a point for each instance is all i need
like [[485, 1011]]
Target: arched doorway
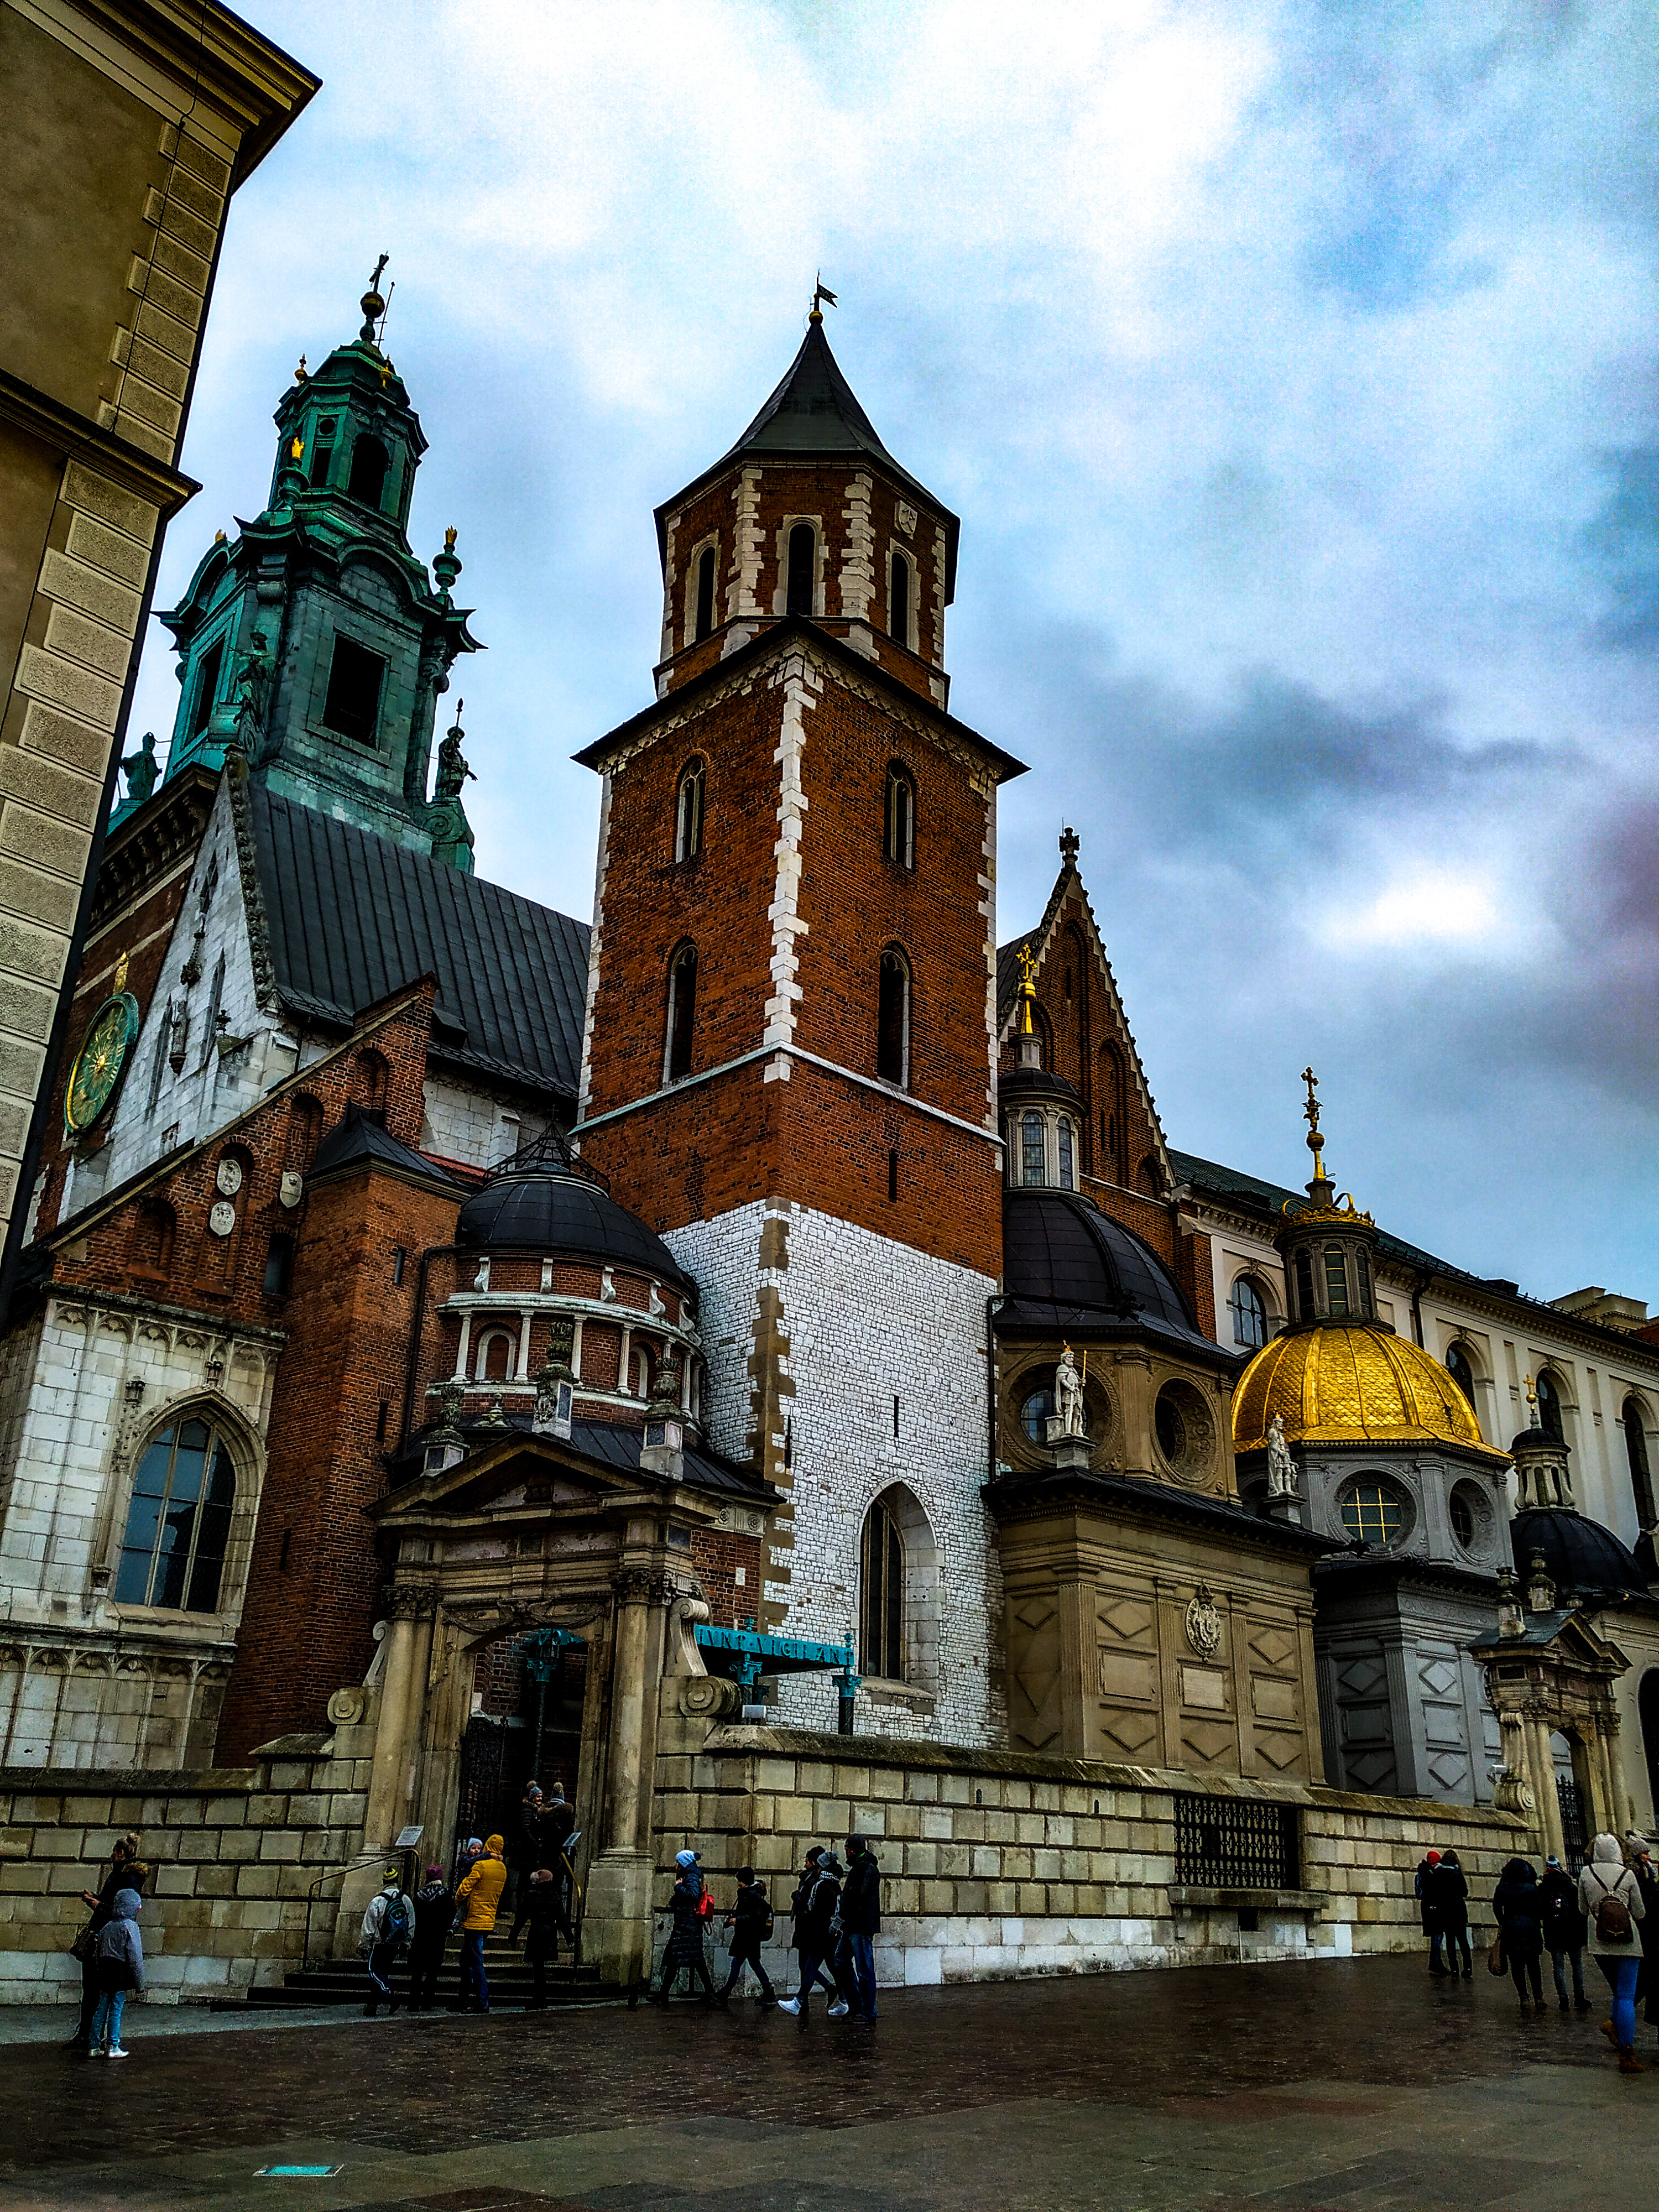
[[524, 1725], [1647, 1707], [1572, 1794]]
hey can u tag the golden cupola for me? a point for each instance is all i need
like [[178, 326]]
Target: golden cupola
[[1336, 1374]]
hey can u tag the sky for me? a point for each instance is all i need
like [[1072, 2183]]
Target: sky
[[1292, 369]]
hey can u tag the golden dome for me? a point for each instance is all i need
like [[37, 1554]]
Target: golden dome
[[1348, 1384]]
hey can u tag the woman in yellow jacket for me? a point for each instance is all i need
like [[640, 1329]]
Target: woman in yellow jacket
[[476, 1901]]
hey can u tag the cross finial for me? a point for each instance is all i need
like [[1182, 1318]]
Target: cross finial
[[821, 295], [379, 270], [1311, 1111], [1027, 989], [1070, 844], [1532, 1398]]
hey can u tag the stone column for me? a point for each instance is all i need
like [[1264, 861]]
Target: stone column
[[463, 1347], [522, 1374], [1624, 1808], [618, 1938], [384, 1782], [1540, 1766]]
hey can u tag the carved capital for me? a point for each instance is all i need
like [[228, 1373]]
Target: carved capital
[[413, 1601], [643, 1586]]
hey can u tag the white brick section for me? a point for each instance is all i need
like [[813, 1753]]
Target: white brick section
[[866, 1319], [595, 942], [857, 573], [800, 681]]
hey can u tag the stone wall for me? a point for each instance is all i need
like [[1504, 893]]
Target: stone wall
[[234, 1853], [997, 1864]]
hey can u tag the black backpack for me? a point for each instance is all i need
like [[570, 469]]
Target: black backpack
[[394, 1926]]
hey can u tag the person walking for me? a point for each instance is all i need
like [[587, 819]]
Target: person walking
[[1447, 1894], [751, 1923], [1420, 1889], [1610, 1898], [127, 1871], [1520, 1917], [558, 1821], [860, 1922], [434, 1916], [387, 1930], [525, 1851], [120, 1968], [476, 1898], [544, 1910], [1639, 1858], [690, 1907], [803, 1891], [1564, 1931], [818, 1900]]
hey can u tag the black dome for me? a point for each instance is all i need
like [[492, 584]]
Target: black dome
[[1017, 1082], [1581, 1555], [564, 1213], [1067, 1263]]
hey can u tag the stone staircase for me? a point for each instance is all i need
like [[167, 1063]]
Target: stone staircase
[[345, 1982]]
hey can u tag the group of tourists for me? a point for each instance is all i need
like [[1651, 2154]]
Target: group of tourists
[[1611, 1911], [834, 1918], [494, 1875]]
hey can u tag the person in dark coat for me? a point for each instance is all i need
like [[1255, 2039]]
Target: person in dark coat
[[1564, 1931], [1420, 1887], [1519, 1906], [127, 1871], [558, 1821], [814, 1938], [686, 1953], [860, 1921], [526, 1850], [751, 1923], [803, 1891], [1448, 1896], [1640, 1858], [544, 1910], [434, 1916]]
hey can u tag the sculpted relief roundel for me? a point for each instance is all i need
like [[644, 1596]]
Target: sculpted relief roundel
[[1203, 1625]]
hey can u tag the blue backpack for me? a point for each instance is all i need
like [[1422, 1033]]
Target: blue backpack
[[395, 1927]]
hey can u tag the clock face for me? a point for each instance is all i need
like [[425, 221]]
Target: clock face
[[100, 1063]]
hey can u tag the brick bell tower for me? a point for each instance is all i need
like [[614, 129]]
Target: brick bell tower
[[790, 1062]]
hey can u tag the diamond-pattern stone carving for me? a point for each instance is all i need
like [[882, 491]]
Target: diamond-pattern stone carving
[[1362, 1678], [1206, 1742], [1034, 1615], [1278, 1751], [1272, 1646], [1128, 1619], [1037, 1685], [1131, 1732], [1439, 1677]]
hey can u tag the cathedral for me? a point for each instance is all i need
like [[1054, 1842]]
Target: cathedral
[[770, 1304]]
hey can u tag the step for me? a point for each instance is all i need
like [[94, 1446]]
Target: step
[[345, 1981]]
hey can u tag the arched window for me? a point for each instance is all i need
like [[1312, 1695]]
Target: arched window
[[1151, 1181], [893, 1018], [1549, 1409], [1458, 1366], [1111, 1081], [1249, 1312], [1336, 1282], [370, 1079], [152, 1238], [705, 621], [882, 1592], [322, 450], [898, 600], [682, 1011], [183, 1494], [495, 1361], [1304, 1290], [207, 686], [1635, 1451], [803, 562], [687, 812], [1068, 1179], [305, 1130], [369, 463], [899, 816], [1033, 1149], [1363, 1265]]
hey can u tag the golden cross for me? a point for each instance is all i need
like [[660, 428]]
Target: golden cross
[[1532, 1396]]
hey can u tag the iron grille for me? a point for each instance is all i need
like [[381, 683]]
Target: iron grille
[[1236, 1843], [1575, 1829]]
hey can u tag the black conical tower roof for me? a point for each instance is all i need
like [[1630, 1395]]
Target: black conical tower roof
[[814, 414]]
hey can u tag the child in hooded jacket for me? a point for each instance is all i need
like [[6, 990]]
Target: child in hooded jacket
[[120, 1957]]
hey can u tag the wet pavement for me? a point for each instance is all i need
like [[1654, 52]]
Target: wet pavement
[[1285, 2088]]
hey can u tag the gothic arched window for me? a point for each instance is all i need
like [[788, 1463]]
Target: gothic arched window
[[1549, 1409], [682, 1011], [802, 564], [881, 1650], [1635, 1451], [899, 816], [687, 812], [893, 1018], [898, 600], [1068, 1181], [322, 450], [705, 618], [183, 1494], [1461, 1370], [369, 463], [1249, 1312], [1033, 1149]]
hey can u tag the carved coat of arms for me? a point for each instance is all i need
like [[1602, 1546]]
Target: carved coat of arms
[[1203, 1624]]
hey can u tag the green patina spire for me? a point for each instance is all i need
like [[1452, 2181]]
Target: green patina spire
[[317, 642]]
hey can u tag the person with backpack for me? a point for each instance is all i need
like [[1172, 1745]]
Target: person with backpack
[[798, 1903], [690, 1905], [1639, 1858], [1610, 1898], [1521, 1922], [1446, 1901], [817, 1924], [477, 1897], [120, 1967], [388, 1927], [434, 1916], [860, 1923], [1564, 1931], [751, 1923]]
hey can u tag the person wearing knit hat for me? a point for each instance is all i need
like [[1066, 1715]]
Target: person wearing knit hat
[[689, 1907], [387, 1930], [1610, 1898], [434, 1915], [1420, 1885], [477, 1899]]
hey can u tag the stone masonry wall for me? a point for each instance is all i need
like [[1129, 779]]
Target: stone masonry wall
[[234, 1853], [997, 1864]]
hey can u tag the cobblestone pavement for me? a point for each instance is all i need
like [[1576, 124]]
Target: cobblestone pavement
[[1282, 2088]]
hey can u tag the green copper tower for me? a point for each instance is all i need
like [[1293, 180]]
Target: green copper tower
[[317, 642]]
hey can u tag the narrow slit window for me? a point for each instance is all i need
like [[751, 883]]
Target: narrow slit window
[[1066, 1181], [1336, 1282], [1362, 1260], [682, 1011], [892, 1177], [803, 562], [705, 617], [882, 1653], [688, 813], [893, 1018], [207, 687], [1304, 1290], [899, 822], [898, 600], [322, 451]]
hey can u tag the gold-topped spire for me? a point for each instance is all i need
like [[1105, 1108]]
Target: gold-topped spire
[[1320, 1188], [1027, 990], [1310, 1116], [1532, 1401]]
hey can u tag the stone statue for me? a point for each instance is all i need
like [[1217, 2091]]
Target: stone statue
[[452, 770], [1068, 1395], [252, 681], [445, 817], [140, 770], [177, 1020], [1281, 1467]]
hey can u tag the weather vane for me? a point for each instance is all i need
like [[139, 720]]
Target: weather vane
[[821, 293]]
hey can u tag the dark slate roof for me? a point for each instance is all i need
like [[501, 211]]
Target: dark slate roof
[[814, 414], [1067, 1266], [613, 1442], [564, 1213], [1232, 1522], [352, 918], [1583, 1557], [362, 1136]]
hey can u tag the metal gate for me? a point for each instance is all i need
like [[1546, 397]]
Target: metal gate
[[1575, 1837], [1236, 1843], [494, 1768]]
